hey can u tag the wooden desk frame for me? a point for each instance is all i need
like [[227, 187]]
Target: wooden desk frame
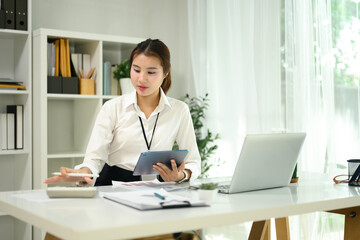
[[260, 230]]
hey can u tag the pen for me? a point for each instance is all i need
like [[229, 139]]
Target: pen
[[77, 174], [159, 196]]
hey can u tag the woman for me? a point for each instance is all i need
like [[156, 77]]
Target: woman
[[139, 121]]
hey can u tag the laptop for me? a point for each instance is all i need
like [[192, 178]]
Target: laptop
[[265, 161]]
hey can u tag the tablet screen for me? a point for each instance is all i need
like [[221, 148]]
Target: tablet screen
[[147, 159]]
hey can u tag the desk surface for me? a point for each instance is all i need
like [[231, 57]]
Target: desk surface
[[98, 218]]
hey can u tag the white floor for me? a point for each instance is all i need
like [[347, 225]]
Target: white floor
[[314, 226]]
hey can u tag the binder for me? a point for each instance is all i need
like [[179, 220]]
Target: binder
[[62, 58], [67, 58], [57, 52], [3, 131], [9, 8], [115, 90], [51, 59], [106, 78], [18, 111], [10, 122], [2, 18], [21, 15]]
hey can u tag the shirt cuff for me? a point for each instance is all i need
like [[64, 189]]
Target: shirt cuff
[[92, 169]]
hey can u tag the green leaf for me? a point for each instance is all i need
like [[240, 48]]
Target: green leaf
[[206, 144]]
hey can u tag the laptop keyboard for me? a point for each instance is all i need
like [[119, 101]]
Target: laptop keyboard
[[227, 186]]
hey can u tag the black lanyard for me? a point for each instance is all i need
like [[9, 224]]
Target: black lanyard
[[152, 135]]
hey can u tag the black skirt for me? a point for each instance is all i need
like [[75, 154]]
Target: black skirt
[[114, 173]]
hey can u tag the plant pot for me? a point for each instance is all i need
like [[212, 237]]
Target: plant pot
[[294, 180], [207, 196], [126, 85]]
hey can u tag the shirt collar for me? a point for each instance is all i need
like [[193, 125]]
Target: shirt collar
[[131, 100]]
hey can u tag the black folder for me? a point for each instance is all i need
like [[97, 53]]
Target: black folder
[[21, 15], [18, 111], [9, 8], [2, 18]]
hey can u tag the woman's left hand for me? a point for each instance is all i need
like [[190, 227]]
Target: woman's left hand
[[170, 175]]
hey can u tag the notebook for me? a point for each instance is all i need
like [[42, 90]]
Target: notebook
[[265, 161]]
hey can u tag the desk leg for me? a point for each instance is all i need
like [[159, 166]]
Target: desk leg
[[282, 228], [352, 222], [260, 230]]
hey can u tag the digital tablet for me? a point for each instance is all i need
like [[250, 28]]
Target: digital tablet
[[148, 159]]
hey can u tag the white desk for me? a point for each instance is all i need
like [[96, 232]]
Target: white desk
[[99, 218]]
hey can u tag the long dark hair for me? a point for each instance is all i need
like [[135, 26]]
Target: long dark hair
[[156, 48]]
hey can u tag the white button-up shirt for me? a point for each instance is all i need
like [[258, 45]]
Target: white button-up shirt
[[117, 136]]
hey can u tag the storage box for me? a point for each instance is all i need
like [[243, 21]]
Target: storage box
[[70, 85], [54, 84], [87, 86]]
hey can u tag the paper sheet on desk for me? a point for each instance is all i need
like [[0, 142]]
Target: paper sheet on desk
[[39, 197], [146, 200], [146, 185]]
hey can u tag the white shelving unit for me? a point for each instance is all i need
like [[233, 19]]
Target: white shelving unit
[[63, 122], [16, 165]]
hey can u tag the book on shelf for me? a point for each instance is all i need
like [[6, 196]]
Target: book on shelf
[[57, 53], [51, 59], [106, 78], [7, 83], [21, 15], [2, 18], [9, 8], [18, 123], [75, 62], [115, 90], [58, 58], [3, 131], [10, 123]]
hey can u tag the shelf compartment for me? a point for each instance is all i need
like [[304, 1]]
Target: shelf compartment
[[20, 168], [70, 123], [16, 63]]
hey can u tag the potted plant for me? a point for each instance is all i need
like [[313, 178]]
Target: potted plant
[[294, 178], [122, 73], [205, 139], [207, 192], [205, 142]]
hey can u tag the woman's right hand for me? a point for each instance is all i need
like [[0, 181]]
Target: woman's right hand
[[64, 177]]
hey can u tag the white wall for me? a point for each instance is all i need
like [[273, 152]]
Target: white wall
[[163, 19]]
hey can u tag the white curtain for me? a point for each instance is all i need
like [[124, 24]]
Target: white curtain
[[309, 79], [235, 50], [236, 47]]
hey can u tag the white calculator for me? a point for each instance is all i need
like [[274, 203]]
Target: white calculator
[[71, 192]]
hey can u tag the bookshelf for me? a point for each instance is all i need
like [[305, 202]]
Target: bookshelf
[[16, 165], [62, 123]]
